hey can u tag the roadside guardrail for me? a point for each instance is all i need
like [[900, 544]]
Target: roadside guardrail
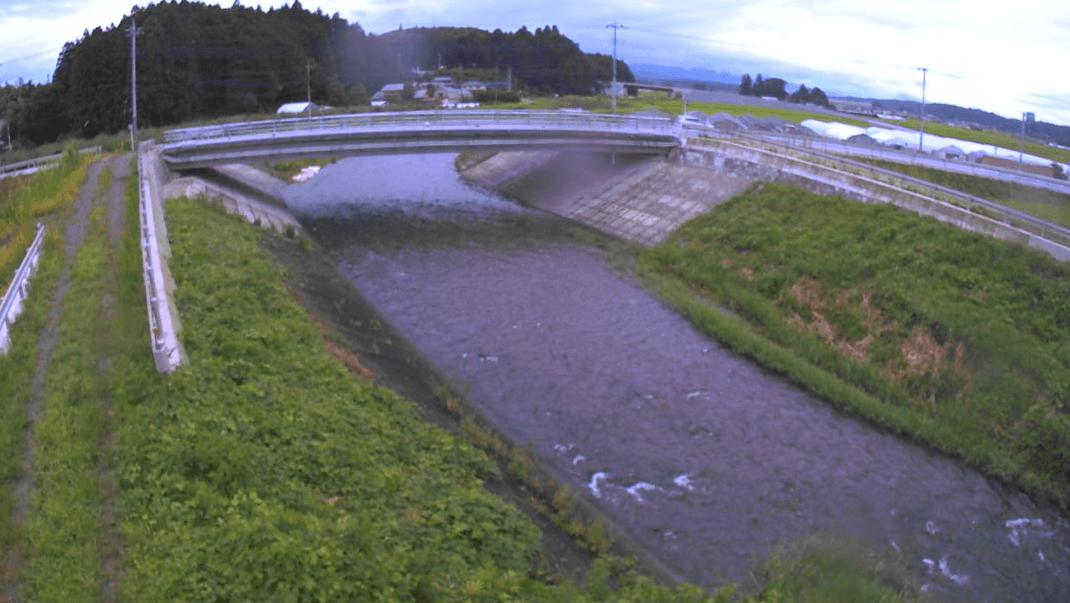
[[163, 318], [11, 306]]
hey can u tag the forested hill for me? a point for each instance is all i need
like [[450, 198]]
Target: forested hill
[[196, 60]]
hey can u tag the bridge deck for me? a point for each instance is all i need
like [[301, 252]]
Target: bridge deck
[[418, 131]]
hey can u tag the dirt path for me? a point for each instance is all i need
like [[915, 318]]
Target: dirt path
[[74, 231], [112, 545]]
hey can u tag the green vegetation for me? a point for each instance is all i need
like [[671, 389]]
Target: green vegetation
[[25, 199], [64, 525], [832, 570], [30, 198], [949, 337], [1047, 204], [1001, 139]]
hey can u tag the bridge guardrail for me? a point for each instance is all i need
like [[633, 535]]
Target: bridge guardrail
[[407, 119], [11, 306]]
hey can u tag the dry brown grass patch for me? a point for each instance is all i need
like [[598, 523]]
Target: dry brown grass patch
[[342, 353]]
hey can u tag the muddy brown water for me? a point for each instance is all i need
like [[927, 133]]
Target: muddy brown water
[[704, 458]]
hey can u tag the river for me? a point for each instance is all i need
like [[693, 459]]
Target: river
[[704, 458]]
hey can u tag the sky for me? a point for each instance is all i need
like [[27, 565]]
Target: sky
[[1006, 57]]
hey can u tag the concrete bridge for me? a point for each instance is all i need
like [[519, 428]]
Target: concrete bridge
[[414, 132]]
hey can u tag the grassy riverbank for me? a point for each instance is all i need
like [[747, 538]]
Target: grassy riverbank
[[1044, 203], [949, 337], [264, 470]]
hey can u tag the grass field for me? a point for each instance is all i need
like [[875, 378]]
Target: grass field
[[1000, 139], [949, 337]]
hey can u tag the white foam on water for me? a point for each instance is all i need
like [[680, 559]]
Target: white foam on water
[[637, 490], [930, 527], [684, 481], [578, 459], [594, 483], [563, 448], [959, 579], [928, 564], [693, 394], [1020, 527], [306, 173]]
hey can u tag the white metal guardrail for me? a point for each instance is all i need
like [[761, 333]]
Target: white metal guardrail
[[32, 165], [427, 119], [912, 157], [11, 306], [163, 320], [1021, 219]]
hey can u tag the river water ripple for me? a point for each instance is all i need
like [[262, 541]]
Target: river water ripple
[[704, 458]]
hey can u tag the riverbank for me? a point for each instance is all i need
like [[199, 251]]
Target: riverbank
[[354, 472], [835, 306]]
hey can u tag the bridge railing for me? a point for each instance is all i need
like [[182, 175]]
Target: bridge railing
[[427, 119]]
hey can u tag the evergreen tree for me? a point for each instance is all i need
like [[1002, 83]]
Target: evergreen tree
[[746, 86], [818, 97], [802, 95]]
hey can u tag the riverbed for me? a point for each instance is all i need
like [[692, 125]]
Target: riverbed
[[704, 458]]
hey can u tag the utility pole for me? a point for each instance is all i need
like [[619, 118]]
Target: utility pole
[[308, 68], [613, 88], [1021, 146], [133, 32], [921, 132]]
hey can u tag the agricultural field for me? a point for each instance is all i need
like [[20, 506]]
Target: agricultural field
[[951, 338], [1000, 139]]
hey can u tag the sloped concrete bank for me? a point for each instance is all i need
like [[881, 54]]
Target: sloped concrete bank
[[644, 200], [638, 199]]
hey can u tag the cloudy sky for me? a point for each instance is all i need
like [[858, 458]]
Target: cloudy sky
[[1006, 57]]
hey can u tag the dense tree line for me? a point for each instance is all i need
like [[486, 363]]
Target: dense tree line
[[774, 87], [544, 61], [203, 61]]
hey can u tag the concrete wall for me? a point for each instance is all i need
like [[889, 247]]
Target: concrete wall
[[739, 160]]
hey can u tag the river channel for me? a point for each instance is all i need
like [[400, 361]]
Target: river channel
[[704, 458]]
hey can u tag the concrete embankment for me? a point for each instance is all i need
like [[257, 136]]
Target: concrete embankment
[[242, 190], [638, 200], [644, 201]]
